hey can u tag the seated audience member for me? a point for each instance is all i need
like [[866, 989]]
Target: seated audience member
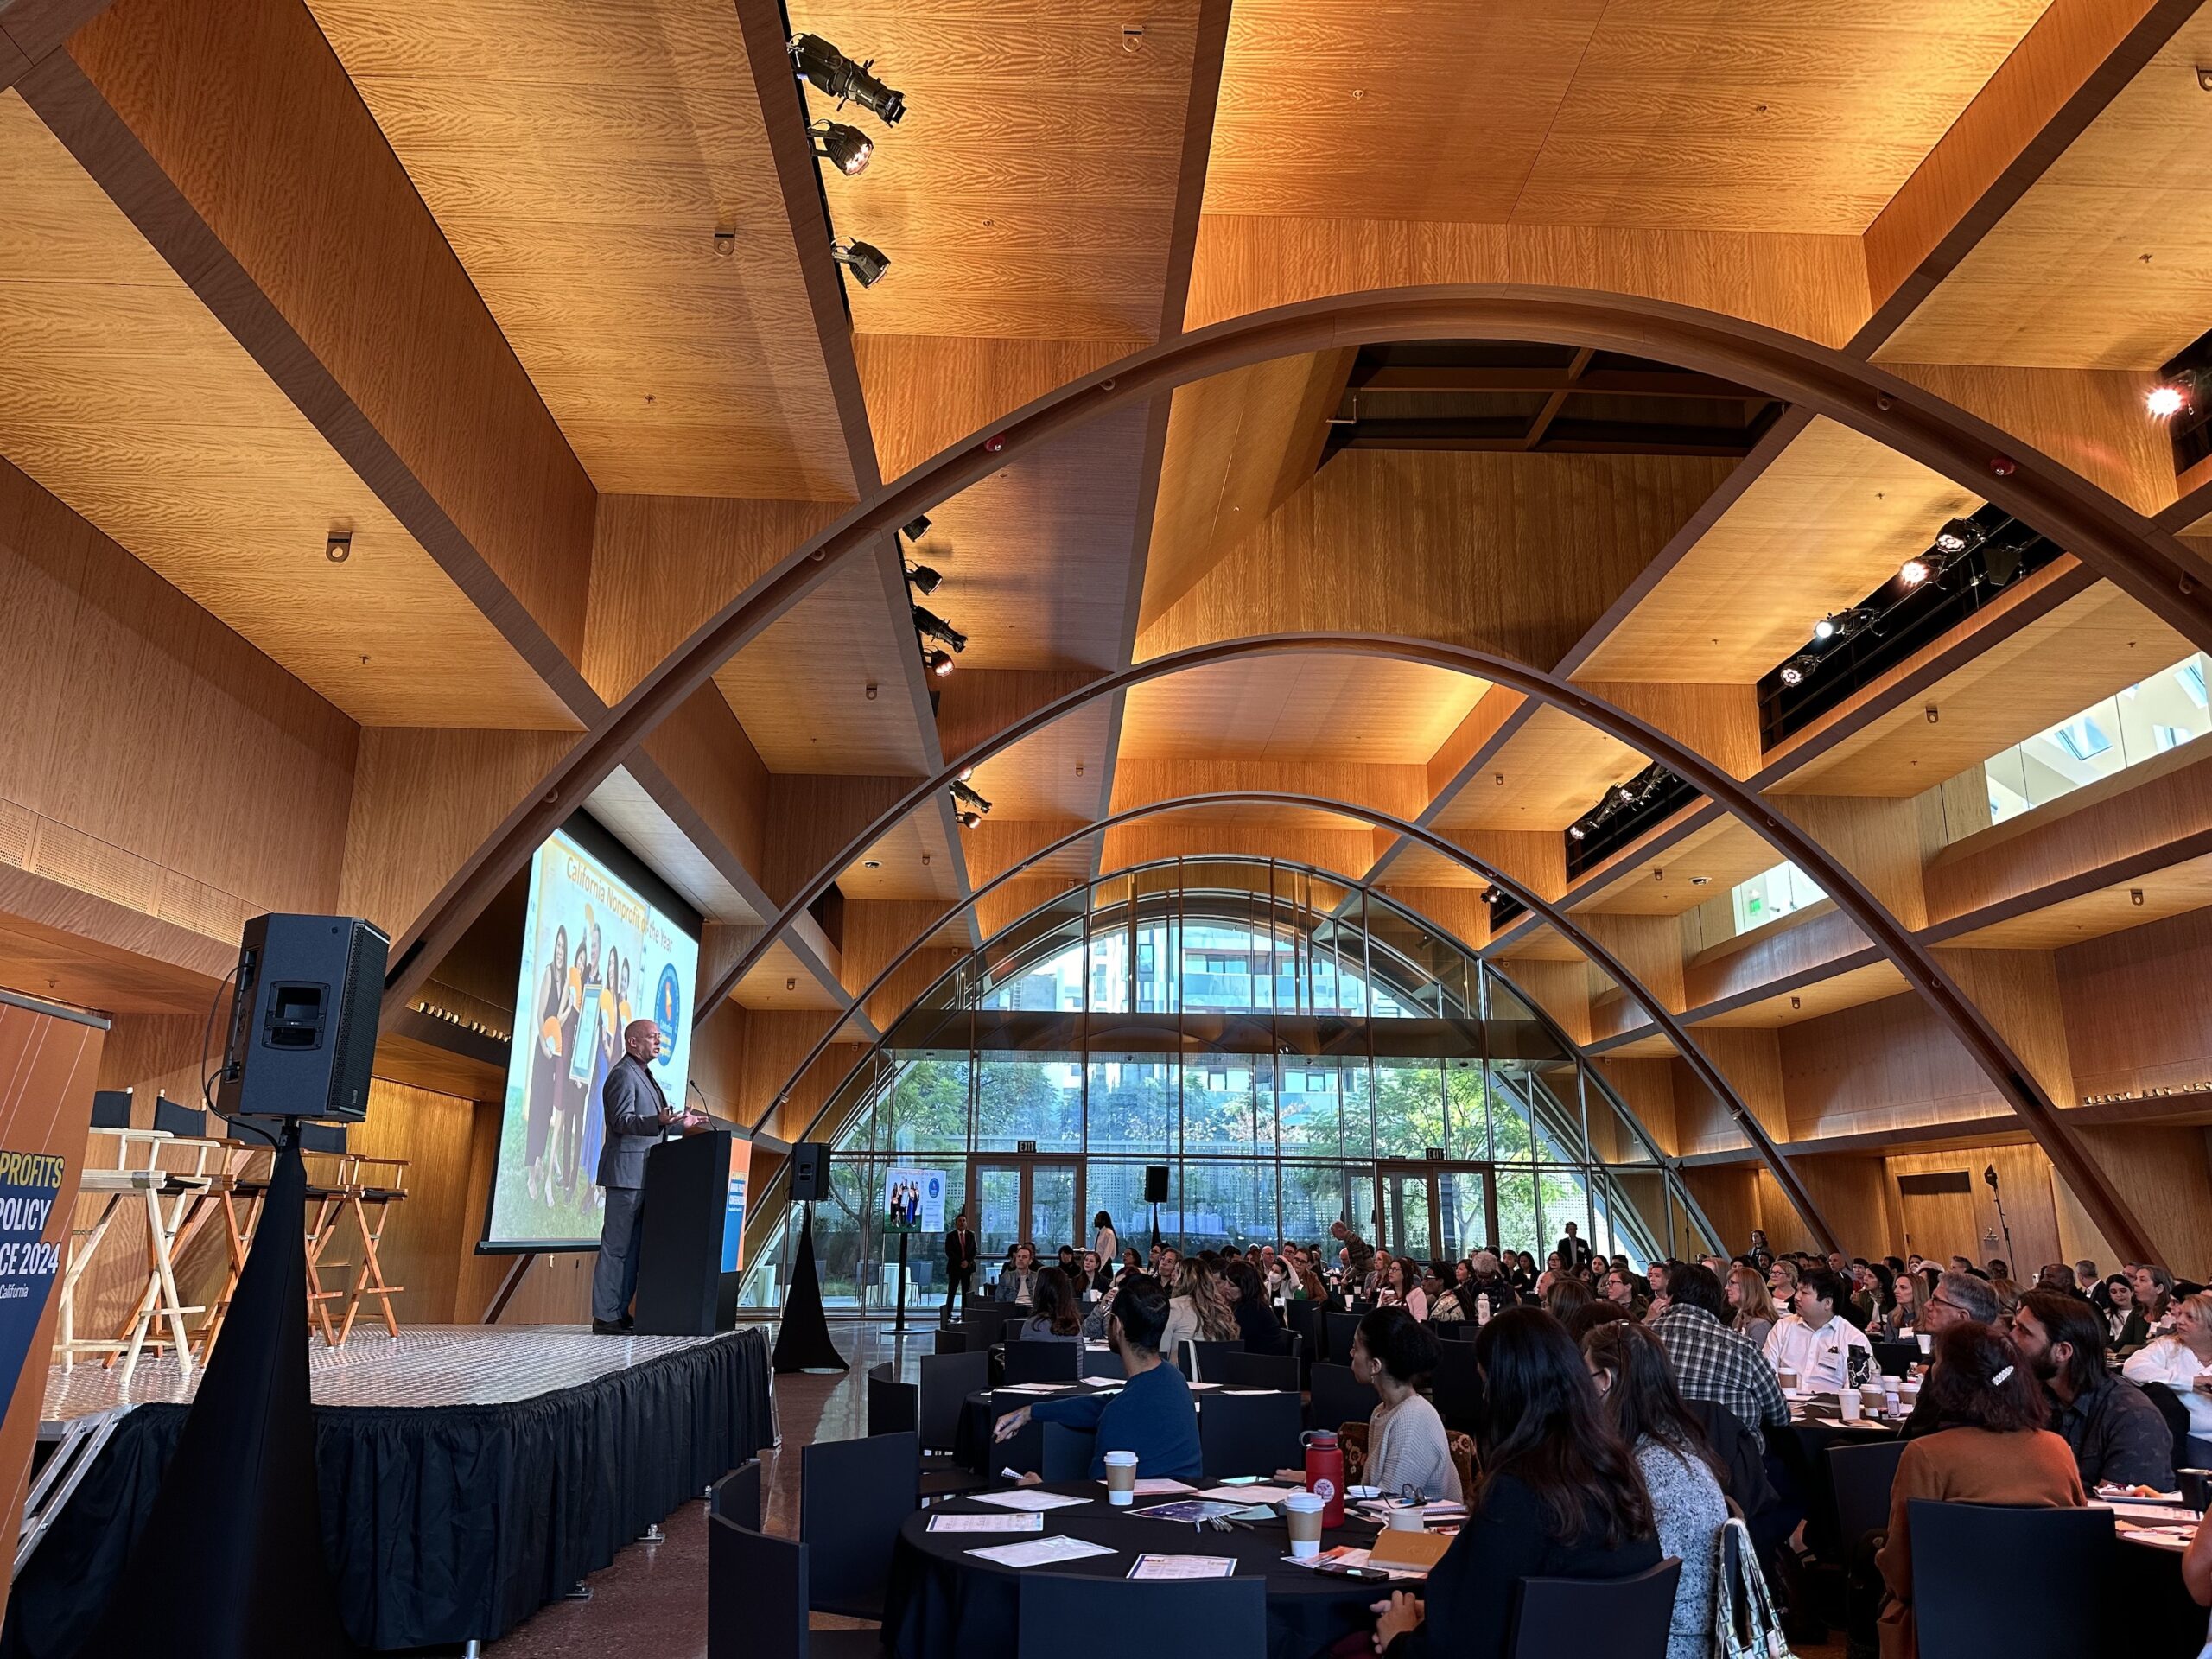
[[1582, 1321], [1057, 1315], [1959, 1298], [1685, 1479], [2154, 1295], [1522, 1273], [1751, 1314], [2182, 1361], [1067, 1261], [1400, 1288], [1090, 1278], [1310, 1284], [1565, 1295], [2117, 1435], [2125, 1329], [2056, 1275], [1625, 1289], [1782, 1283], [1018, 1278], [1486, 1277], [1200, 1311], [1405, 1444], [1815, 1343], [1712, 1362], [2092, 1286], [1256, 1320], [1992, 1448], [1560, 1497], [1150, 1414], [1901, 1321]]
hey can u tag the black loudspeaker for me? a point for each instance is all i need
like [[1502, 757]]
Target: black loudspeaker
[[303, 1028], [809, 1171], [1155, 1183]]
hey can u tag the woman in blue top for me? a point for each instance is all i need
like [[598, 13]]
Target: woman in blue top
[[1152, 1415]]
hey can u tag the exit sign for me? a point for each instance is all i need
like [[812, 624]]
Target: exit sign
[[1436, 1154], [1025, 1146]]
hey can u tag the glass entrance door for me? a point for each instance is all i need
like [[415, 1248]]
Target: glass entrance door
[[1437, 1212], [1027, 1201]]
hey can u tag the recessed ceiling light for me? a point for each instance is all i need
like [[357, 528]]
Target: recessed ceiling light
[[871, 863]]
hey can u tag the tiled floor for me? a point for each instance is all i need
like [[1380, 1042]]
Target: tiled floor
[[425, 1365], [651, 1602]]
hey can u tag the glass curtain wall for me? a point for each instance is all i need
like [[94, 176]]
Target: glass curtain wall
[[1291, 1050]]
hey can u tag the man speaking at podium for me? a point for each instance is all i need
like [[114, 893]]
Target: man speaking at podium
[[637, 1113]]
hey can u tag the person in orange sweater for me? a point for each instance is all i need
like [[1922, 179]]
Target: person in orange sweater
[[1990, 1447]]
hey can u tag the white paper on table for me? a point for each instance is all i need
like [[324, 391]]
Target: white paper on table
[[1039, 1551], [1036, 1388], [2173, 1538], [1348, 1557], [1159, 1486], [2150, 1514], [1262, 1493], [1029, 1523], [1200, 1387], [1250, 1391], [1184, 1566], [1033, 1501]]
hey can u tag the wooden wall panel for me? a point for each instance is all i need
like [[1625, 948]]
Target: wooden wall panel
[[425, 1235], [1885, 842], [1883, 1064], [2165, 1175], [2135, 1010], [1729, 1198], [1521, 553], [2025, 1182], [1753, 1062], [1848, 1192], [2089, 419], [422, 801], [152, 755]]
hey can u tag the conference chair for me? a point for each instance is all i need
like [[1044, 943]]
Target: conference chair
[[736, 1496], [853, 1497], [1558, 1619], [985, 1322], [1260, 1371], [1101, 1362], [2068, 1556], [1205, 1362], [947, 1380], [1338, 1397], [1062, 1453], [1066, 1617], [1303, 1315], [1249, 1433], [1457, 1386], [1042, 1362], [1341, 1328], [894, 1407], [1895, 1358], [1861, 1476], [951, 1341], [2175, 1410], [756, 1600]]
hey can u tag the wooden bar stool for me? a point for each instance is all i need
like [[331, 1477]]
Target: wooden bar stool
[[372, 1186]]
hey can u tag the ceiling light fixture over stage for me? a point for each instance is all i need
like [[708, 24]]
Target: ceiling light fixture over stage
[[924, 577], [972, 806], [830, 73], [865, 260], [847, 149], [2167, 399]]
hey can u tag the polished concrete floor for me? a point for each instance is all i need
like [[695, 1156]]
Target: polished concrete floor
[[651, 1602]]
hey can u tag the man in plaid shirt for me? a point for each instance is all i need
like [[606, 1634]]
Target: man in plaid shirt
[[1712, 1361]]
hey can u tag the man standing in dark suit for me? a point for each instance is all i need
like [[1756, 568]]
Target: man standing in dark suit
[[636, 1112], [1574, 1251], [959, 1264]]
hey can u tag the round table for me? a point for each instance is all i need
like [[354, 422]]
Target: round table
[[942, 1600], [972, 1447]]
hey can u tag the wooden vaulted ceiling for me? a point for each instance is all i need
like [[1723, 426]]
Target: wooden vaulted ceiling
[[1063, 190]]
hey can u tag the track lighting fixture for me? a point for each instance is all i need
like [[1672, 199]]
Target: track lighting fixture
[[1575, 830], [968, 820], [2168, 398], [865, 260], [1839, 626], [916, 528], [938, 662], [1915, 571], [931, 625], [968, 798], [966, 773], [847, 149], [925, 578], [1959, 535], [832, 73]]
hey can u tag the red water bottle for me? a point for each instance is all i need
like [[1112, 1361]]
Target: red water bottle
[[1324, 1473]]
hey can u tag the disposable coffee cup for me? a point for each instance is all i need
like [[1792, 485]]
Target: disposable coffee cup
[[1302, 1511], [1788, 1379], [1848, 1405], [1927, 1341], [1405, 1520], [1121, 1479], [2196, 1488]]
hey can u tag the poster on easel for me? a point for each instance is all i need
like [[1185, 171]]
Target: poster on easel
[[913, 1201]]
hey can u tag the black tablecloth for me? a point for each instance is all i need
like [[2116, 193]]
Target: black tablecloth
[[942, 1600], [1813, 1434]]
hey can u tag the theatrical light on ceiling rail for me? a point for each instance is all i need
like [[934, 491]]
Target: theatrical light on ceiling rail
[[847, 149], [931, 625], [916, 528], [1959, 535], [972, 806], [924, 577], [832, 73], [2174, 395], [938, 662], [865, 260]]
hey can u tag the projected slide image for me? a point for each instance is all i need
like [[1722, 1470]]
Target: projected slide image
[[596, 957]]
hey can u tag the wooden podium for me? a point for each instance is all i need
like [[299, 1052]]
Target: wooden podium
[[680, 1259]]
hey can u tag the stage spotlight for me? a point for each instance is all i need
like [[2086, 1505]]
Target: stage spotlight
[[847, 149], [830, 72], [970, 820], [2165, 400], [1575, 831], [966, 773], [1792, 675], [1913, 572], [1959, 535], [938, 662], [916, 528], [1827, 629], [924, 577], [865, 260], [931, 625]]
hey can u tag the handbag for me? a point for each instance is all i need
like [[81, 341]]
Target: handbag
[[1744, 1622]]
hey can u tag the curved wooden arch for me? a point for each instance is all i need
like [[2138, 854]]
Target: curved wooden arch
[[1777, 1160], [2119, 542], [1983, 1043]]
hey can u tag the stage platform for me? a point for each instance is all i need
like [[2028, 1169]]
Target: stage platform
[[469, 1474]]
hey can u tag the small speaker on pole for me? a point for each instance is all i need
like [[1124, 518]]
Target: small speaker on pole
[[303, 1022], [809, 1171], [1155, 1183]]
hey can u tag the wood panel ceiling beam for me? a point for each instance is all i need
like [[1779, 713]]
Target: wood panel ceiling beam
[[30, 29], [1620, 383]]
